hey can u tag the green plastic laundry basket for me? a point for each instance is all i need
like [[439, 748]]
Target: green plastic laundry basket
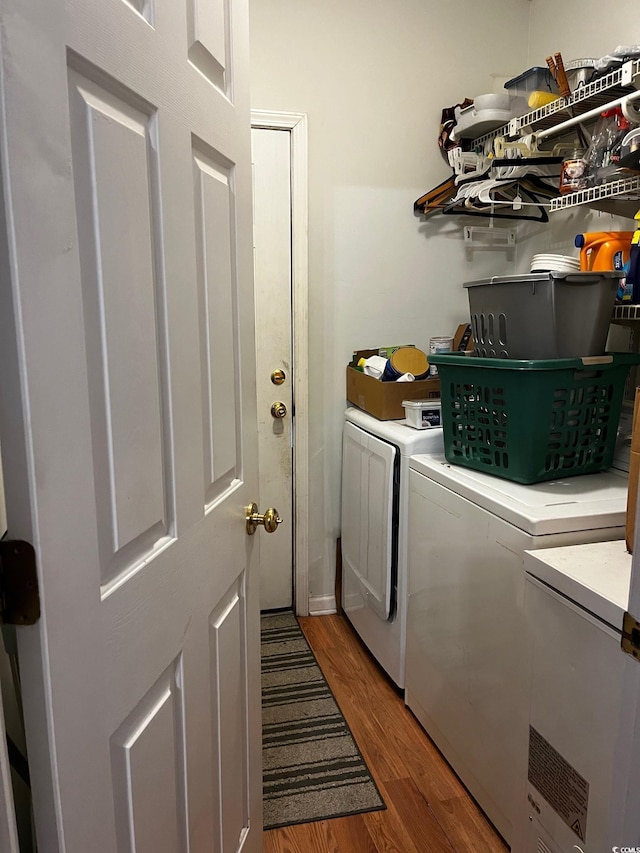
[[530, 421]]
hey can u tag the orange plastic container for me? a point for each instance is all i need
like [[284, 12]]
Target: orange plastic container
[[603, 250]]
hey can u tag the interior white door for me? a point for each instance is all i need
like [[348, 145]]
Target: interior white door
[[128, 418], [272, 262], [8, 831], [625, 785]]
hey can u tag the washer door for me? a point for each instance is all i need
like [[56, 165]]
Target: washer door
[[369, 521]]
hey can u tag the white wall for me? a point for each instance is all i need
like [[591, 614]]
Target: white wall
[[373, 77], [579, 28]]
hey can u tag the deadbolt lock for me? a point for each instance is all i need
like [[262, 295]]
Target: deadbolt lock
[[278, 410], [278, 377], [270, 520]]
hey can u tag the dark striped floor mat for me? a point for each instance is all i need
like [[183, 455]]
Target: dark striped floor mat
[[312, 767]]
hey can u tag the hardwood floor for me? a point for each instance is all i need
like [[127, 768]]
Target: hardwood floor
[[428, 809]]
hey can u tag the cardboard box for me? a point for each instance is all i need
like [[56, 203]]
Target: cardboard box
[[384, 352], [634, 474], [383, 400]]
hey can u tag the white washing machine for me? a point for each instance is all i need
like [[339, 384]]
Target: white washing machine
[[584, 717], [375, 467], [465, 659]]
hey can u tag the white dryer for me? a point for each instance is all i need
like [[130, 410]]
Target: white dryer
[[375, 467], [465, 659]]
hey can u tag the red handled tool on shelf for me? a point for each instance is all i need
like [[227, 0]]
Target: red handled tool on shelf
[[555, 65]]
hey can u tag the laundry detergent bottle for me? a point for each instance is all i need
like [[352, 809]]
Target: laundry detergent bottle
[[603, 250]]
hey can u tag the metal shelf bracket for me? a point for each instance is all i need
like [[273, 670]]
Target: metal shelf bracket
[[481, 238]]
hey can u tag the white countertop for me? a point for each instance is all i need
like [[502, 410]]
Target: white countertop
[[595, 576], [404, 436], [585, 502]]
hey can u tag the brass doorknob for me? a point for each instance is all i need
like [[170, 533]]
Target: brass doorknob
[[278, 410], [270, 520]]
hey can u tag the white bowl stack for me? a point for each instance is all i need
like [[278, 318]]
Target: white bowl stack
[[557, 263]]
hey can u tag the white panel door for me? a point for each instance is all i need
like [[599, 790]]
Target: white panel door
[[272, 263], [128, 418]]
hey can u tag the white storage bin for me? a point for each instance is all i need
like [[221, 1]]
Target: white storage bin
[[423, 414], [485, 113]]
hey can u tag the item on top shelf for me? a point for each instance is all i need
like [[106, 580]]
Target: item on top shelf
[[530, 421], [535, 79], [486, 113], [603, 250], [559, 263], [423, 414], [541, 99], [617, 57], [580, 72], [556, 69], [603, 154], [542, 315], [447, 124]]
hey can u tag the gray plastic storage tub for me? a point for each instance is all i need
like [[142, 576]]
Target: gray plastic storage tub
[[542, 315]]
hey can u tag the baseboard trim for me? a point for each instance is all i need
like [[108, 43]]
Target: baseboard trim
[[322, 605]]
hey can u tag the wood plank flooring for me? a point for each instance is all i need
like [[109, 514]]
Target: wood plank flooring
[[428, 809]]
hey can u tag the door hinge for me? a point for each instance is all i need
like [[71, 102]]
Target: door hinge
[[631, 636], [19, 594]]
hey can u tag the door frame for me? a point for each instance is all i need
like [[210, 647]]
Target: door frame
[[296, 125], [8, 824]]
